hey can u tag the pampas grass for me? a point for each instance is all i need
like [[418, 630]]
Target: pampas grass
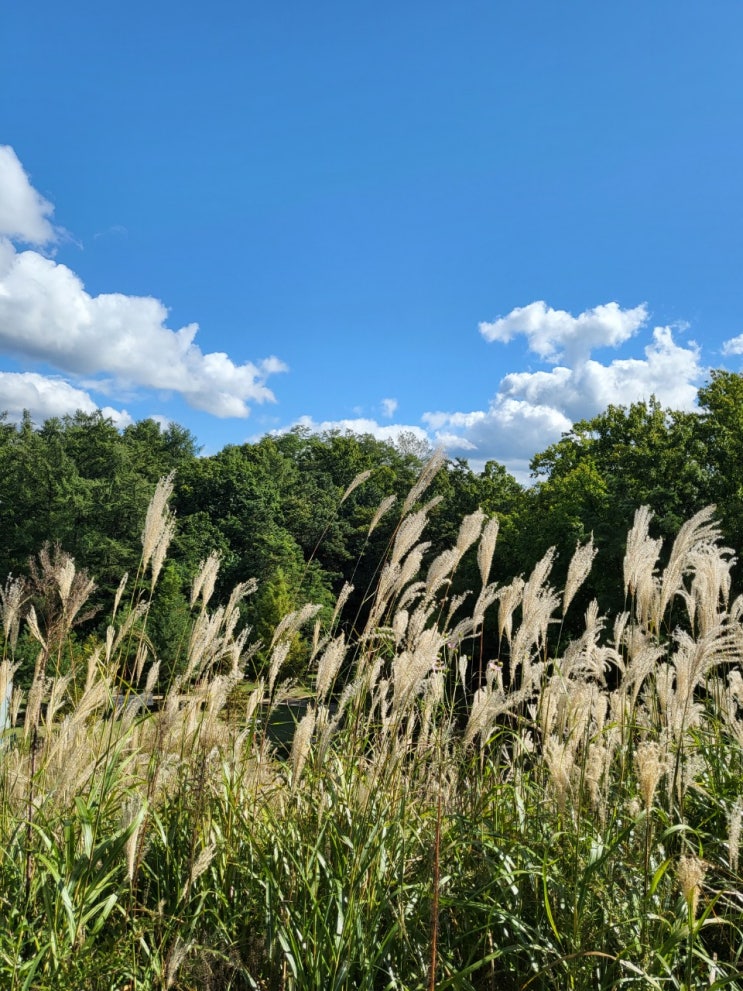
[[574, 823]]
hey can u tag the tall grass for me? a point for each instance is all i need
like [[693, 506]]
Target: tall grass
[[573, 822]]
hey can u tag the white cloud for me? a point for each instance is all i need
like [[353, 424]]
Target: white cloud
[[46, 315], [389, 407], [531, 410], [734, 345], [45, 396], [24, 214], [509, 430], [668, 372], [358, 425], [554, 334]]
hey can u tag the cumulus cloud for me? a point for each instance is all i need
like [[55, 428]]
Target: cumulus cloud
[[46, 396], [46, 315], [734, 345], [668, 372], [359, 425], [389, 407], [533, 409], [24, 214], [555, 334]]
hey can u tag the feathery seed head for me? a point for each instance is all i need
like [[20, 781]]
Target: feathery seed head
[[301, 744], [119, 593], [429, 471], [329, 666], [156, 518], [205, 579], [160, 550], [408, 534], [384, 505], [12, 598], [578, 570], [650, 766], [690, 872], [486, 548], [359, 480], [469, 531], [734, 824]]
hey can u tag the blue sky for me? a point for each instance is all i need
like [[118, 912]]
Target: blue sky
[[476, 220]]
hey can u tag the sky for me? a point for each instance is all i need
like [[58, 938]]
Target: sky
[[476, 221]]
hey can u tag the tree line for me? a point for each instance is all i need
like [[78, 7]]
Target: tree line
[[277, 510]]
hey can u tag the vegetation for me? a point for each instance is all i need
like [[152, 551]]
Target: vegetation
[[308, 728], [572, 823]]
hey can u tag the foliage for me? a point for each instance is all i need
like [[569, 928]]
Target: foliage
[[575, 827]]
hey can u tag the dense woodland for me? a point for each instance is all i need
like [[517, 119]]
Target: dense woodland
[[275, 510]]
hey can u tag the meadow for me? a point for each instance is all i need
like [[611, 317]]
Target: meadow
[[566, 814]]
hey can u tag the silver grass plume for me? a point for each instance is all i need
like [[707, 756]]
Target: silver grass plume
[[408, 534], [279, 654], [510, 599], [488, 595], [167, 532], [578, 570], [64, 575], [33, 625], [340, 602], [486, 548], [384, 505], [294, 621], [359, 480], [301, 744], [734, 824], [651, 764], [429, 471], [400, 625], [469, 531], [407, 597], [119, 593], [710, 588], [410, 567], [157, 517], [559, 756], [12, 599], [329, 666], [409, 670], [690, 872], [175, 960], [440, 569], [694, 532], [640, 559], [205, 579]]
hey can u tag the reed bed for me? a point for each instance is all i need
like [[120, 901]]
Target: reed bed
[[571, 822]]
